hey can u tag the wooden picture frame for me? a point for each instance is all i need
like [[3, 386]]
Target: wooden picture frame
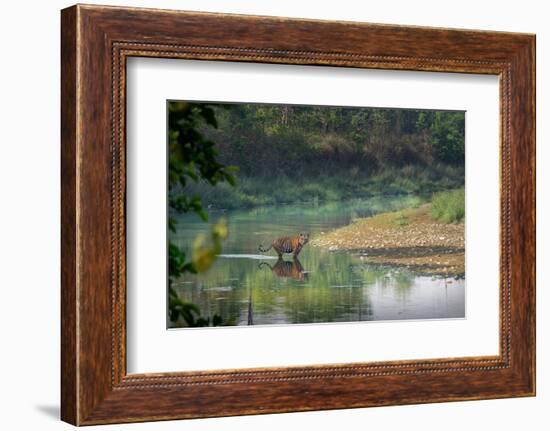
[[95, 43]]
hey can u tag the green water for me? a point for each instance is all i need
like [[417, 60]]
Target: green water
[[247, 287]]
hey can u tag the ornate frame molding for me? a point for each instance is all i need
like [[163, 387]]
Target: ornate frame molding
[[96, 41]]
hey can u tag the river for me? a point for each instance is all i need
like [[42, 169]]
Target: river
[[247, 287]]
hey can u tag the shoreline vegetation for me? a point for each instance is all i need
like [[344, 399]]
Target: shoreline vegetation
[[328, 186], [428, 239]]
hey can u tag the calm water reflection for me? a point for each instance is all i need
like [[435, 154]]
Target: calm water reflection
[[246, 287]]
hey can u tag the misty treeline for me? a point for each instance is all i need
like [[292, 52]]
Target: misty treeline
[[287, 154], [267, 140]]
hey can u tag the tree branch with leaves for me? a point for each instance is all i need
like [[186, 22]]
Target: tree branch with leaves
[[192, 157]]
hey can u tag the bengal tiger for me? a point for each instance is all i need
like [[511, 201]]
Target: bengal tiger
[[287, 269], [288, 244]]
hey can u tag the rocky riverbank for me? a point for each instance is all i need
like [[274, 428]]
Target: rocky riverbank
[[409, 238]]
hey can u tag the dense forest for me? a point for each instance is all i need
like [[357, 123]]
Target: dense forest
[[290, 153]]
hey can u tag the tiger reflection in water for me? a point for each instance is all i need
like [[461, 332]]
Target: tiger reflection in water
[[287, 269]]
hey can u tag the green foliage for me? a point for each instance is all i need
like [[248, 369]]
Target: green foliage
[[189, 313], [205, 249], [447, 135], [448, 207], [401, 219], [192, 157], [296, 141], [331, 186], [290, 153], [177, 264]]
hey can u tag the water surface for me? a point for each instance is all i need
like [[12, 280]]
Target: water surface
[[247, 287]]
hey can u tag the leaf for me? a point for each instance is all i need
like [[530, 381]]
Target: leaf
[[219, 230], [172, 224], [217, 320], [209, 116]]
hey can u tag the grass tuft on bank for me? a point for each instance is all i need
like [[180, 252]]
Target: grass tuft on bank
[[448, 207]]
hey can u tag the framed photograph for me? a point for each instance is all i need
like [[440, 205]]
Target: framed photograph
[[265, 215]]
